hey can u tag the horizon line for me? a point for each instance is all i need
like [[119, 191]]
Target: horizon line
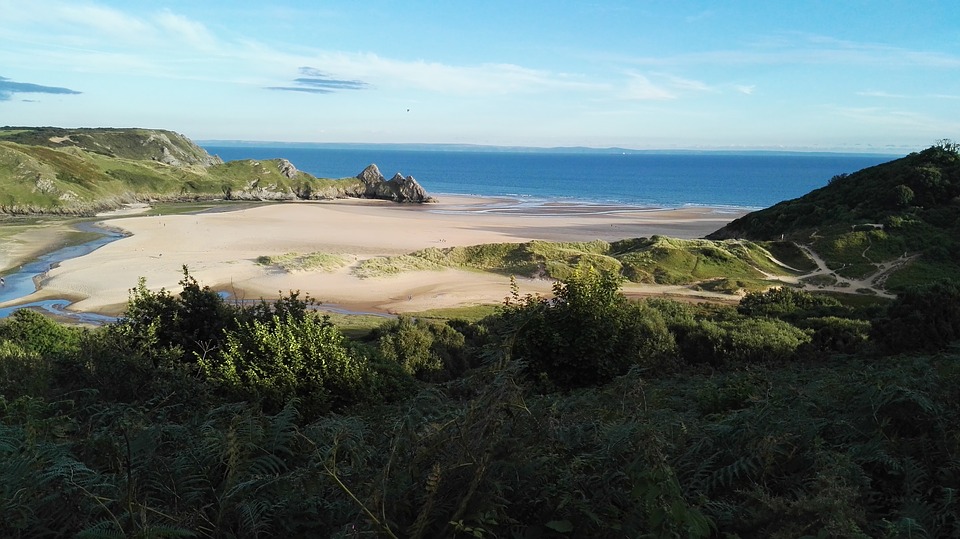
[[455, 146]]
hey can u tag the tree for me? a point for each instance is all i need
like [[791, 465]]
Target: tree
[[588, 334], [194, 321], [924, 318], [902, 196], [430, 351], [285, 358]]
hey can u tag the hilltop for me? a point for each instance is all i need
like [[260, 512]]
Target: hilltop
[[82, 171], [894, 224]]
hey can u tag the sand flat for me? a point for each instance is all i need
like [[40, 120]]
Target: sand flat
[[221, 249]]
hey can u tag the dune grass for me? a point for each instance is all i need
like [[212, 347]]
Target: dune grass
[[741, 265], [297, 262]]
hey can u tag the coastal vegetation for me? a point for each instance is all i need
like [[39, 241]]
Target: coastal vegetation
[[304, 262], [47, 170], [904, 213], [728, 265], [795, 413], [583, 415]]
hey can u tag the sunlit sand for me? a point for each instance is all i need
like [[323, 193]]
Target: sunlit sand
[[220, 249]]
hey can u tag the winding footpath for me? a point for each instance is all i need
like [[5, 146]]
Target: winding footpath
[[872, 283]]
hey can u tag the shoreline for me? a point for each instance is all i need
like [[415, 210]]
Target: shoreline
[[220, 249]]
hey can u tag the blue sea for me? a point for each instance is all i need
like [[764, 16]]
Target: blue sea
[[647, 179]]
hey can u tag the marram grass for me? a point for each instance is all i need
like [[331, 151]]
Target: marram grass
[[293, 262]]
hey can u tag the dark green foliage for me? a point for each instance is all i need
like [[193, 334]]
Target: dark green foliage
[[430, 351], [789, 303], [921, 319], [913, 198], [38, 334], [837, 334], [194, 322], [119, 435], [285, 358], [588, 334]]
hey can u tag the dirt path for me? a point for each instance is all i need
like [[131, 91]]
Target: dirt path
[[872, 282]]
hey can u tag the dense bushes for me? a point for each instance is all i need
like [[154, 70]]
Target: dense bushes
[[588, 334], [430, 351], [289, 358], [921, 319], [671, 420]]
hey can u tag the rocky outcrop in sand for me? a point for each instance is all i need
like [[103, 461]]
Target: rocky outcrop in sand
[[397, 189]]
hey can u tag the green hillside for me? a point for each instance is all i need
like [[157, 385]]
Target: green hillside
[[904, 213], [82, 171]]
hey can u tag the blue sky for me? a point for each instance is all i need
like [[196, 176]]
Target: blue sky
[[823, 75]]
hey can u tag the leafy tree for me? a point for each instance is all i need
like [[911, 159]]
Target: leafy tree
[[588, 334], [36, 333], [427, 350], [787, 303], [925, 318], [285, 358], [902, 196], [194, 321]]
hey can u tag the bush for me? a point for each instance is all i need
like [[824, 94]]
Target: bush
[[588, 334], [36, 333], [921, 319], [274, 362], [429, 351], [784, 302], [194, 322]]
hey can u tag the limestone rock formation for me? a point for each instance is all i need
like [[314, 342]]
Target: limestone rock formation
[[287, 169], [397, 189]]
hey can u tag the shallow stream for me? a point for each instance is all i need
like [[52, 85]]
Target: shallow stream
[[22, 283]]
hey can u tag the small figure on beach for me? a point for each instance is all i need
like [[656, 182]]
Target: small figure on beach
[[2, 282]]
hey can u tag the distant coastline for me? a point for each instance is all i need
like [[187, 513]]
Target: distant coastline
[[447, 147], [739, 180]]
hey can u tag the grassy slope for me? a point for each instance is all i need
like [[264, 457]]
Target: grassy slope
[[54, 170], [859, 221], [729, 265]]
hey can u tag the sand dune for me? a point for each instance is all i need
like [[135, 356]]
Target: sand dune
[[221, 248]]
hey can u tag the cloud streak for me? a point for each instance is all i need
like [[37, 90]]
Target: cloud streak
[[8, 88], [807, 49], [319, 82]]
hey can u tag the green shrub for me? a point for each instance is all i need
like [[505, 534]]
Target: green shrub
[[22, 372], [285, 358], [589, 334], [429, 351], [38, 334], [923, 318]]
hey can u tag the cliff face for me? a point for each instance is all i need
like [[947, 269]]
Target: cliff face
[[82, 171]]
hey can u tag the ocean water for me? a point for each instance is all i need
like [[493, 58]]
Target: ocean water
[[649, 179]]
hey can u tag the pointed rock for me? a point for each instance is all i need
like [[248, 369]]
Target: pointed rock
[[287, 169], [371, 175], [397, 189]]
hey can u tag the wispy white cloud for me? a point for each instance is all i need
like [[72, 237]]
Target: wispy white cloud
[[746, 89], [798, 48], [877, 93], [183, 29], [899, 119], [641, 88], [890, 95], [655, 86], [685, 84], [165, 44]]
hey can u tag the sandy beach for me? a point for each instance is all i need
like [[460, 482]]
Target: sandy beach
[[221, 249]]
